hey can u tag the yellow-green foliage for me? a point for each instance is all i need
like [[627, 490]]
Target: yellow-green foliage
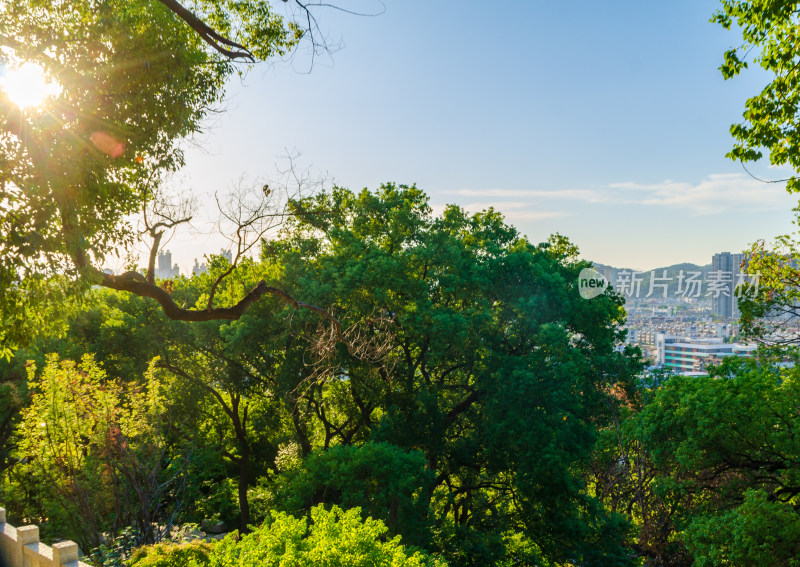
[[192, 554], [333, 538], [86, 443]]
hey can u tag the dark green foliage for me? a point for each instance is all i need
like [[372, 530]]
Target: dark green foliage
[[726, 452], [461, 403], [13, 397], [496, 370], [386, 482], [760, 531]]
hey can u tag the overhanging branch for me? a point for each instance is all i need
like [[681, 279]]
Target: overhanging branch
[[208, 35], [137, 284]]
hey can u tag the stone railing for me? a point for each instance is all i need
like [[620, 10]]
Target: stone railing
[[20, 547]]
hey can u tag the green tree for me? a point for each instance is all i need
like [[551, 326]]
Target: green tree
[[465, 385], [473, 347], [771, 121], [726, 452], [92, 454], [770, 128], [770, 308], [122, 331], [760, 531], [625, 478], [387, 483], [137, 78], [240, 417], [222, 416]]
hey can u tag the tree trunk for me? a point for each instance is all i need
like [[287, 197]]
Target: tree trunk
[[244, 475]]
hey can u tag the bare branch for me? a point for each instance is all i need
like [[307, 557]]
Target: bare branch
[[235, 51], [161, 213]]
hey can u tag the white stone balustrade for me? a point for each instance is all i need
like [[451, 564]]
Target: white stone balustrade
[[20, 547]]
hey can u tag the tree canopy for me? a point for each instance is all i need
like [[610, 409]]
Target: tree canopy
[[770, 128], [461, 409]]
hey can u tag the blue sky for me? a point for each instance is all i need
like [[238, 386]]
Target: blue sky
[[604, 121]]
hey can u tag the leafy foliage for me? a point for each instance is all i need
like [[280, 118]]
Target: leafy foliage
[[113, 553], [770, 310], [771, 119], [726, 453], [333, 538], [387, 483], [460, 403], [135, 81], [92, 456], [192, 554], [496, 369], [760, 531]]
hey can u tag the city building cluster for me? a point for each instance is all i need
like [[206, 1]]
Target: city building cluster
[[685, 317]]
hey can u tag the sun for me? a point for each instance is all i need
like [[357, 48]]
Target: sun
[[26, 86]]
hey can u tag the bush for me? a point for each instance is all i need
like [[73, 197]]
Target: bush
[[334, 538], [193, 554]]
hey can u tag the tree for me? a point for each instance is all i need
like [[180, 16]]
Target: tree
[[771, 127], [726, 456], [769, 311], [93, 455], [494, 368], [137, 78], [467, 394], [385, 482]]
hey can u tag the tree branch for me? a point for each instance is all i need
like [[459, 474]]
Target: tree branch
[[136, 283], [208, 35]]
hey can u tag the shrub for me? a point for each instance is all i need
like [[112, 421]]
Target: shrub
[[333, 538], [192, 554]]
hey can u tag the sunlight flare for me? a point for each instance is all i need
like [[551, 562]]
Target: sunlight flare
[[26, 86]]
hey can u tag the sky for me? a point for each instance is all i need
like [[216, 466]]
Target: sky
[[607, 122]]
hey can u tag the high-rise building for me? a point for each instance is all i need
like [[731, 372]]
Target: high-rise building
[[165, 269], [199, 268], [722, 280]]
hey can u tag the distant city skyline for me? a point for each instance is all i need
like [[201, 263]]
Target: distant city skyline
[[188, 266]]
